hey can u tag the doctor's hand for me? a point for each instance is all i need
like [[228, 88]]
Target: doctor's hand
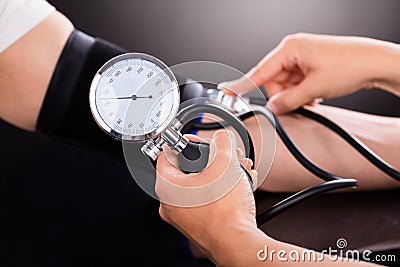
[[206, 223], [307, 68]]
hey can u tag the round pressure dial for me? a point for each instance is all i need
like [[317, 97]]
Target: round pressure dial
[[134, 97]]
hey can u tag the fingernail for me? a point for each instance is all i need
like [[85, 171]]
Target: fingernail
[[274, 108], [222, 85], [218, 132], [226, 88], [254, 175], [249, 164], [240, 151]]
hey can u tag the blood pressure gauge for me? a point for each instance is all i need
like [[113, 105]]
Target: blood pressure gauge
[[134, 97]]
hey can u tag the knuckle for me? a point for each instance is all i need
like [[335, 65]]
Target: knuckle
[[162, 213], [157, 187], [294, 39]]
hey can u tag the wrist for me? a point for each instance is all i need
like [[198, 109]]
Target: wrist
[[384, 70], [236, 242]]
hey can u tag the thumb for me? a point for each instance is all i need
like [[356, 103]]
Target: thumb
[[225, 144], [294, 97]]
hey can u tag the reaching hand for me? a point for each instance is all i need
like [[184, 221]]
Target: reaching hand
[[306, 68]]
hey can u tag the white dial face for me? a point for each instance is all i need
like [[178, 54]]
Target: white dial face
[[134, 97]]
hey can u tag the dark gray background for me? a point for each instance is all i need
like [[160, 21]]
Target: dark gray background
[[236, 33]]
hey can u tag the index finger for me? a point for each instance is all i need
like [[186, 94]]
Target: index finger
[[264, 71]]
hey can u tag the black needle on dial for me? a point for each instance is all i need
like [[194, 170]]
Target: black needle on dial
[[133, 97]]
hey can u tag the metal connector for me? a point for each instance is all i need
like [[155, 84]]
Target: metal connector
[[233, 103], [153, 148], [171, 136]]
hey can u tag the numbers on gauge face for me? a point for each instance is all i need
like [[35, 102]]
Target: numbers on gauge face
[[134, 97]]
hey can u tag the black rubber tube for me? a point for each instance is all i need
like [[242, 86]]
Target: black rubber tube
[[191, 112], [300, 157], [305, 194], [332, 182], [355, 143]]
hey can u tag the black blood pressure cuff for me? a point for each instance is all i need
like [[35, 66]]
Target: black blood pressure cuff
[[66, 111]]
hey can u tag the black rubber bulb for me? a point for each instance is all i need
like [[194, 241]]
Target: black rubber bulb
[[194, 157]]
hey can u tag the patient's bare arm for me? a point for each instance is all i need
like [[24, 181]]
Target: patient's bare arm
[[329, 151], [26, 68]]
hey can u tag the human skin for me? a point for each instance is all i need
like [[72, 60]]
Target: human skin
[[225, 230], [329, 151], [304, 68], [26, 68], [236, 240], [281, 172]]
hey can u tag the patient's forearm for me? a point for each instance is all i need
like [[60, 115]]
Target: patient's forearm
[[330, 152]]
